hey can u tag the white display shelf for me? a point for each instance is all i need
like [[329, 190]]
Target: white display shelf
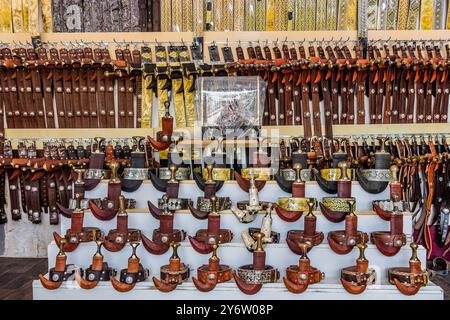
[[328, 289], [235, 253]]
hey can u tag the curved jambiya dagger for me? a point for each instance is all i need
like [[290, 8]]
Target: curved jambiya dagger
[[327, 186], [209, 187], [309, 235], [259, 264], [110, 205], [163, 137], [57, 274], [165, 234], [96, 162], [299, 277], [133, 177], [133, 274], [343, 241], [344, 191], [173, 273], [159, 184], [390, 242], [209, 275], [395, 196], [204, 185], [78, 189], [117, 238], [298, 191], [77, 233], [260, 159], [355, 279], [204, 238], [382, 162], [284, 184], [98, 271], [245, 184], [409, 280]]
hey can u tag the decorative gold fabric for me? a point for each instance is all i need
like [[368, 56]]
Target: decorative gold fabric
[[448, 16], [352, 13], [391, 16], [270, 15], [33, 16], [147, 103], [178, 101], [372, 8], [290, 15], [239, 15], [218, 174], [280, 15], [177, 16], [227, 15], [187, 23], [250, 15], [197, 17], [260, 15], [332, 14], [5, 16], [294, 204], [46, 9], [166, 16], [382, 14], [426, 14], [17, 16], [438, 10], [321, 15], [310, 15], [402, 14], [413, 14], [343, 15]]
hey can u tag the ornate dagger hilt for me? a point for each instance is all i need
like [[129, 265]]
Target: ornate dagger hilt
[[343, 165], [114, 166], [98, 141], [311, 206], [351, 206]]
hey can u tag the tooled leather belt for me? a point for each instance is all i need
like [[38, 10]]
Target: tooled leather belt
[[47, 83], [296, 90], [91, 87], [325, 84], [68, 85], [272, 76], [281, 90]]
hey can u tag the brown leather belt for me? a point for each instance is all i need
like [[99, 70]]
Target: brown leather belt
[[272, 78], [101, 88], [38, 96], [305, 79], [109, 88]]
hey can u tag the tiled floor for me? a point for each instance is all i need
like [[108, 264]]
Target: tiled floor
[[16, 275]]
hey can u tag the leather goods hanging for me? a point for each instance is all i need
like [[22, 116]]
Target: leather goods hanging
[[355, 279], [172, 274], [134, 273], [409, 280], [59, 273], [299, 277], [213, 273], [77, 233], [165, 234], [343, 241], [251, 277], [309, 235], [116, 239], [97, 271]]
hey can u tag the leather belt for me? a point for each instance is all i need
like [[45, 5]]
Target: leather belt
[[316, 76]]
